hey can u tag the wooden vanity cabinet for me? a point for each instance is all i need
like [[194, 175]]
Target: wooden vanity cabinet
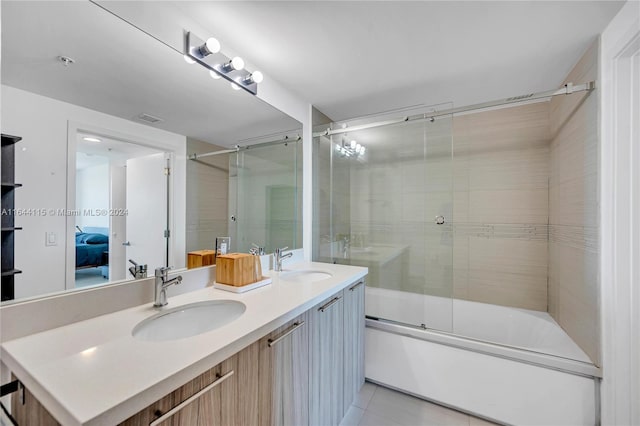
[[284, 374], [353, 341], [327, 362], [231, 398], [31, 412], [306, 372]]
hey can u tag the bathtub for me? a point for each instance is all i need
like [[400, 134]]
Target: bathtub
[[508, 365]]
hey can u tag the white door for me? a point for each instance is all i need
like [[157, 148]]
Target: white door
[[118, 223], [146, 211]]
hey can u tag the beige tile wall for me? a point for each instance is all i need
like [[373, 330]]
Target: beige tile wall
[[500, 210], [573, 210], [207, 196], [495, 195]]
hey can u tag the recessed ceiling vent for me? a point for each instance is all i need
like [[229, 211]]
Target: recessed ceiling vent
[[148, 118]]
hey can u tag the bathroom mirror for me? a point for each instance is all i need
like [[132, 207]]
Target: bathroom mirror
[[72, 73]]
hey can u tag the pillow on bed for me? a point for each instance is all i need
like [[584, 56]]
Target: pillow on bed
[[91, 238]]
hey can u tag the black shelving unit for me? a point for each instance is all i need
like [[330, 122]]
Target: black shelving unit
[[8, 216]]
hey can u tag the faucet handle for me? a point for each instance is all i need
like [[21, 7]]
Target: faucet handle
[[280, 250], [256, 250], [162, 271]]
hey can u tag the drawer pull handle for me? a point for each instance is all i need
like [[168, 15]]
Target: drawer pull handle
[[189, 400], [328, 304], [296, 325], [357, 285]]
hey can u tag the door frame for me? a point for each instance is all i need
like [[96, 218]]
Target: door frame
[[175, 145], [620, 217]]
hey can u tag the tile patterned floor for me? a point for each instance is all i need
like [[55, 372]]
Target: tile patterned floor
[[378, 406]]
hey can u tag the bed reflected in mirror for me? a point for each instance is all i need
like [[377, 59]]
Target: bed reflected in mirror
[[117, 183]]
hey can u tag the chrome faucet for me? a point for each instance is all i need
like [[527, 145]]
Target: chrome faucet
[[256, 250], [278, 256], [138, 271], [161, 284], [346, 245]]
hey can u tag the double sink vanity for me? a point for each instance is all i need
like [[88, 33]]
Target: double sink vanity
[[289, 352]]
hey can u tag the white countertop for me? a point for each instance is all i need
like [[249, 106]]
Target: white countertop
[[94, 372]]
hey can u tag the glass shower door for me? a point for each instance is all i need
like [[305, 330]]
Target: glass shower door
[[265, 193], [389, 209]]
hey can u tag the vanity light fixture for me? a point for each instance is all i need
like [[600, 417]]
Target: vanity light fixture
[[212, 45], [91, 139], [208, 54], [255, 77], [350, 149], [236, 64]]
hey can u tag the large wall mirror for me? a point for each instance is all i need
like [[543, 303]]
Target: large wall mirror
[[110, 119]]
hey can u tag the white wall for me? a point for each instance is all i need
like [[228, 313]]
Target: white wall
[[620, 217], [92, 193], [45, 125], [167, 22]]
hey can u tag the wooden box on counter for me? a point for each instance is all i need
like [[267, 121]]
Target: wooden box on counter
[[198, 258], [238, 269]]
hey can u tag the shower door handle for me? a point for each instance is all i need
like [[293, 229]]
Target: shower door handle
[[439, 220]]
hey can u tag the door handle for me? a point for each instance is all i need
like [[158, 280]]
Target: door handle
[[296, 325], [439, 220], [126, 243]]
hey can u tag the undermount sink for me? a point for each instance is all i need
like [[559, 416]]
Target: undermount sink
[[188, 320], [303, 276]]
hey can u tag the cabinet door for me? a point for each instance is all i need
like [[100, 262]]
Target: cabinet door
[[29, 411], [284, 374], [353, 341], [327, 362], [208, 400]]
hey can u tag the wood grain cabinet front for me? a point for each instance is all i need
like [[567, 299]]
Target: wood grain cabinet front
[[353, 341], [306, 372], [284, 374], [202, 401], [327, 362]]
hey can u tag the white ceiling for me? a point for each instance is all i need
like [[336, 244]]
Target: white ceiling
[[349, 59], [121, 71], [353, 58], [89, 153]]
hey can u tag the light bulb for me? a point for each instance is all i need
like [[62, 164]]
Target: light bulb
[[338, 148], [212, 45], [214, 75], [257, 77], [353, 144], [235, 86], [188, 60], [362, 151], [237, 63], [358, 146]]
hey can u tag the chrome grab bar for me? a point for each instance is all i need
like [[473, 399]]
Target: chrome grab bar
[[189, 400], [357, 285], [296, 325], [328, 304]]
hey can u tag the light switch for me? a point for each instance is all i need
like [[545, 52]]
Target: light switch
[[50, 239]]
